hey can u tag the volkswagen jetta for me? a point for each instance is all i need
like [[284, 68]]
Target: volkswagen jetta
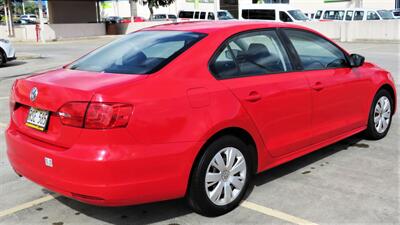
[[191, 110]]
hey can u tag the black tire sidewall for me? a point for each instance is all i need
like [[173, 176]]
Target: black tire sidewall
[[197, 194], [372, 133]]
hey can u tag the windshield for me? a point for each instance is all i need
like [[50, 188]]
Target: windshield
[[142, 52], [225, 15], [298, 15], [386, 14]]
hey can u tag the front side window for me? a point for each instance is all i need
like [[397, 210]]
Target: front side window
[[298, 15], [171, 16], [254, 53], [359, 15], [259, 14], [142, 52], [284, 17], [371, 15], [315, 52]]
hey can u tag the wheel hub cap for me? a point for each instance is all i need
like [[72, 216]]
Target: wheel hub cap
[[382, 114], [226, 176]]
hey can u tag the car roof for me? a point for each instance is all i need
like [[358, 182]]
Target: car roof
[[222, 26]]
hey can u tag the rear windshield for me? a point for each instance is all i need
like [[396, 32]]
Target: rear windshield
[[142, 52]]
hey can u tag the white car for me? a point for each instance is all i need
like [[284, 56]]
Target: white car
[[7, 51], [271, 12]]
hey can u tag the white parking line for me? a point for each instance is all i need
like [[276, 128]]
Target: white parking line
[[27, 205], [4, 98], [3, 125], [275, 213]]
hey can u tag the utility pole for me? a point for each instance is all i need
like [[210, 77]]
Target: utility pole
[[9, 18], [41, 21], [23, 7]]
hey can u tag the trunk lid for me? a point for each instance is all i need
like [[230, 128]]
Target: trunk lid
[[55, 88]]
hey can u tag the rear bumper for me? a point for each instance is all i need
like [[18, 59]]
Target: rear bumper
[[112, 175]]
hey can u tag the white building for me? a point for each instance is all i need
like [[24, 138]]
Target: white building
[[123, 8]]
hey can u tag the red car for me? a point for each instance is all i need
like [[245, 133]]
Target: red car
[[191, 110]]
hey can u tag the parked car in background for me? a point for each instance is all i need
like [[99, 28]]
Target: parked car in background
[[113, 19], [185, 15], [164, 17], [32, 18], [7, 51], [272, 12], [396, 13], [355, 14]]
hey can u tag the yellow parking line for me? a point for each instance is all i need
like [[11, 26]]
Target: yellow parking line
[[27, 205], [275, 213]]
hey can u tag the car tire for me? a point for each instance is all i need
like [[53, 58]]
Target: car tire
[[234, 175], [3, 58], [380, 115]]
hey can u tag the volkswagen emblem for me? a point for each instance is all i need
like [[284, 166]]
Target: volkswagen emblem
[[34, 94]]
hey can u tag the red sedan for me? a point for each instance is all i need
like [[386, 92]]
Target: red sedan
[[191, 110]]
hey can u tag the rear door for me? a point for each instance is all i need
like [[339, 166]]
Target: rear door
[[256, 68], [338, 92]]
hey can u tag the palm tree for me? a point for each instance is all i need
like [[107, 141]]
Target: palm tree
[[151, 4]]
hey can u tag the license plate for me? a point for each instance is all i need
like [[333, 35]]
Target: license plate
[[37, 119]]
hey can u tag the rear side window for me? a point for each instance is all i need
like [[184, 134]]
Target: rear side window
[[211, 16], [254, 53], [160, 17], [142, 52], [318, 15], [359, 15], [171, 16], [334, 15], [259, 14], [196, 15], [203, 15], [315, 52], [349, 15], [186, 14]]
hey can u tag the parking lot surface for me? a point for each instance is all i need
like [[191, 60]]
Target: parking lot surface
[[355, 181]]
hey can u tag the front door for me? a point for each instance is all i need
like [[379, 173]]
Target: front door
[[256, 68]]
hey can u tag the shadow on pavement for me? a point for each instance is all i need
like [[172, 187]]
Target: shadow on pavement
[[13, 63], [164, 211]]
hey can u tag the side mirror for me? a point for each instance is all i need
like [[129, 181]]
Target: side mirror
[[356, 60]]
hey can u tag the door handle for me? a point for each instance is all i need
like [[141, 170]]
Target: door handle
[[318, 86], [253, 96]]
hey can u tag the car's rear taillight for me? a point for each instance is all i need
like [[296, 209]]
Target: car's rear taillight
[[73, 113], [95, 115], [107, 115], [12, 100]]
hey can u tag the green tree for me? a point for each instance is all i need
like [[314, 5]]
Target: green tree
[[151, 4]]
